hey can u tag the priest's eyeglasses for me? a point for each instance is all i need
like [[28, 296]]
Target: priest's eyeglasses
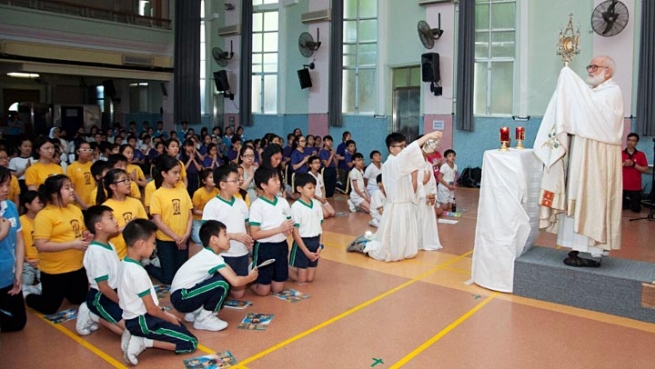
[[594, 67]]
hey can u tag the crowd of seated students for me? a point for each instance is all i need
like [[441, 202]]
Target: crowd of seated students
[[100, 182]]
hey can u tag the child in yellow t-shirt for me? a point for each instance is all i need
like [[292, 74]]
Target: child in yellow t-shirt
[[32, 205], [119, 161], [200, 198], [172, 148], [80, 174], [61, 238], [37, 173], [134, 171], [170, 208], [14, 187], [117, 187]]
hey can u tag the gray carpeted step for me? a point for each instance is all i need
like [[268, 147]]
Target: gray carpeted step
[[613, 288]]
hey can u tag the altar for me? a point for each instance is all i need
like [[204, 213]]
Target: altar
[[508, 214]]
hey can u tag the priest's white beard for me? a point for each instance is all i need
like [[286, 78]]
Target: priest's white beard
[[595, 80]]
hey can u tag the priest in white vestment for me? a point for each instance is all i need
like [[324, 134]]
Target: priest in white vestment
[[397, 237], [579, 142]]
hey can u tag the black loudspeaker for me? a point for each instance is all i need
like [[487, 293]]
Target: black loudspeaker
[[430, 67], [304, 78], [220, 78], [110, 90]]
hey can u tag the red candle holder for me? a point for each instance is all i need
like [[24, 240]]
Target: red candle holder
[[520, 137], [504, 138]]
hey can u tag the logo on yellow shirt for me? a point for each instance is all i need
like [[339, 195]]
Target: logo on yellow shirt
[[128, 216], [87, 178], [177, 205], [75, 224]]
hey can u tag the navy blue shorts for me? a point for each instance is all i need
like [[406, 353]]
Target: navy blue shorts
[[157, 329], [298, 258], [238, 263], [102, 306], [279, 270]]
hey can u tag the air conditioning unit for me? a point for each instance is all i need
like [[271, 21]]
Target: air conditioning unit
[[232, 30], [138, 60], [428, 2], [316, 16]]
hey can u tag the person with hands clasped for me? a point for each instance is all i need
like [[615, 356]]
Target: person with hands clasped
[[232, 211], [148, 325], [307, 232], [170, 208], [270, 224], [61, 239]]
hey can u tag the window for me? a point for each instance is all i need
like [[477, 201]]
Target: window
[[138, 97], [360, 54], [203, 59], [264, 57], [100, 97], [495, 48]]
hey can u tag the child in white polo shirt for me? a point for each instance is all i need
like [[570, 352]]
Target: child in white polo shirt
[[201, 284], [307, 233], [232, 211], [101, 263], [270, 224], [149, 325]]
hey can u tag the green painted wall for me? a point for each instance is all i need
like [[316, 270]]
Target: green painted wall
[[40, 20], [295, 99], [545, 19]]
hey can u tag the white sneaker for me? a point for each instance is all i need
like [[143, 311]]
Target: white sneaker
[[135, 346], [125, 340], [84, 323], [207, 321], [31, 290], [374, 223], [191, 317], [155, 262], [351, 206]]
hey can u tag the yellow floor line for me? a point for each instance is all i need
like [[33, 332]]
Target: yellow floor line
[[349, 312], [443, 332], [113, 362]]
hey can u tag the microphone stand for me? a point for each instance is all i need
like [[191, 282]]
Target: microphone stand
[[651, 212]]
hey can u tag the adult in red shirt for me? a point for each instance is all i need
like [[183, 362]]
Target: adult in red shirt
[[634, 163]]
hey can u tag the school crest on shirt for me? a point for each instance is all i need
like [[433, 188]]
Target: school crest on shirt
[[128, 216], [77, 229], [177, 207], [87, 178]]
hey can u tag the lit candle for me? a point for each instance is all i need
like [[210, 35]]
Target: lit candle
[[520, 133], [504, 134]]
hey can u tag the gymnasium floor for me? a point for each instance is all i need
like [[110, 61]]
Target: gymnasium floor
[[363, 313]]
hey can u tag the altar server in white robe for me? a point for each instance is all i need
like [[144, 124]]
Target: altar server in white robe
[[426, 218], [397, 237], [579, 142]]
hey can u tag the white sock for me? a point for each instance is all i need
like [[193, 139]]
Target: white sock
[[148, 342]]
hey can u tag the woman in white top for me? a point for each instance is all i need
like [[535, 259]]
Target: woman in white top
[[19, 164]]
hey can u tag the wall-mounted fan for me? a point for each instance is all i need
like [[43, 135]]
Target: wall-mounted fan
[[609, 18], [222, 57], [427, 34], [307, 45]]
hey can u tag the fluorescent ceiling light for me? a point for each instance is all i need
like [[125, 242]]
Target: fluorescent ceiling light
[[23, 75]]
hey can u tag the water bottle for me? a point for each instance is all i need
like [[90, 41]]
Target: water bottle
[[454, 206]]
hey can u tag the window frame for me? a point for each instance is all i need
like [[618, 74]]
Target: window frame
[[261, 109], [490, 60], [356, 67]]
